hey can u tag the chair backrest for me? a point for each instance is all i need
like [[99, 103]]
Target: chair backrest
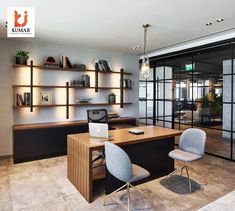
[[193, 140], [118, 162], [97, 116]]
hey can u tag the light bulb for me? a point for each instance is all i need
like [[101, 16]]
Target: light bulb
[[145, 68]]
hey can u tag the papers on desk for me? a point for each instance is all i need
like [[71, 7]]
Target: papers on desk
[[136, 131]]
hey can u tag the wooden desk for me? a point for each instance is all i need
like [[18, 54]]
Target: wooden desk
[[149, 150]]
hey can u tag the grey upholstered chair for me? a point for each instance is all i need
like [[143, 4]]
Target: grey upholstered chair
[[191, 148], [119, 165]]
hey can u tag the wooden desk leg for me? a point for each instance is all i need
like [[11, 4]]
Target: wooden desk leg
[[80, 168]]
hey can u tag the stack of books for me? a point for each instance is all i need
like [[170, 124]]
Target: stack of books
[[113, 115]]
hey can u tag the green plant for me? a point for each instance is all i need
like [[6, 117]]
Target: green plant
[[24, 54], [112, 94], [205, 101]]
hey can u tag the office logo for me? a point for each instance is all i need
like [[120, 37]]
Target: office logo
[[21, 22]]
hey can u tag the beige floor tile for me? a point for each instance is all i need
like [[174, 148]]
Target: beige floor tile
[[30, 192], [64, 187], [57, 204], [43, 185], [5, 198]]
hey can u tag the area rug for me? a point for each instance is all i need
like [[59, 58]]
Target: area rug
[[179, 184]]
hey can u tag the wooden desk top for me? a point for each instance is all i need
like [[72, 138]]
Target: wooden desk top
[[123, 137]]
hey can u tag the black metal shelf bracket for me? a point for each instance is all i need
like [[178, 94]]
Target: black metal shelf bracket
[[121, 87], [31, 86], [96, 80], [67, 100]]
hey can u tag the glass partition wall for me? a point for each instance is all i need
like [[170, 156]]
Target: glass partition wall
[[194, 90]]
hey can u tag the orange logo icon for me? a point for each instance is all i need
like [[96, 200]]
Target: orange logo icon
[[18, 16]]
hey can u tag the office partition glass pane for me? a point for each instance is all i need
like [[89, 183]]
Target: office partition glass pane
[[213, 114]]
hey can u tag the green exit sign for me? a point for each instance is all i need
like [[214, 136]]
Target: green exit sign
[[189, 67]]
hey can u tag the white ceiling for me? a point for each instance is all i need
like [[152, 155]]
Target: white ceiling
[[116, 25]]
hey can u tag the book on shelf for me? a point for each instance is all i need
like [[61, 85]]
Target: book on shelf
[[102, 65], [64, 62], [27, 97], [22, 99], [19, 101]]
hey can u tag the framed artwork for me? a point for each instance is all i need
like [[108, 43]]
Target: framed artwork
[[45, 98]]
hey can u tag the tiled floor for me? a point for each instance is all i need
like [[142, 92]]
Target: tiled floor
[[43, 186]]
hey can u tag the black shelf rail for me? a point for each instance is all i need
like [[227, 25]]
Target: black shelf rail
[[67, 100], [121, 87], [31, 86]]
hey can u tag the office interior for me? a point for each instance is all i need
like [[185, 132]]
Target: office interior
[[118, 106]]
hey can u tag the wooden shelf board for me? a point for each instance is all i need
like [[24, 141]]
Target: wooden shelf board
[[71, 87], [77, 105], [68, 69]]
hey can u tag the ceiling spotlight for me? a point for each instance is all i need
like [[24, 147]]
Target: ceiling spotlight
[[208, 24], [220, 20], [135, 47]]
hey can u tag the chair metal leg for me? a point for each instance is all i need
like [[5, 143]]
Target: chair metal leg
[[192, 169], [128, 196], [181, 171], [138, 190], [114, 193], [189, 181]]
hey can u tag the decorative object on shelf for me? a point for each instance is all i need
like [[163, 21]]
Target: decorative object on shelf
[[84, 100], [113, 115], [112, 98], [78, 83], [50, 61], [22, 57], [145, 68], [127, 83], [86, 80], [79, 66], [102, 65], [45, 98]]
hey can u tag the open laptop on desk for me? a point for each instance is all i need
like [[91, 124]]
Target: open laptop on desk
[[99, 130]]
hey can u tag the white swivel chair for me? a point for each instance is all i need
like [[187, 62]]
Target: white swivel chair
[[191, 148], [119, 165]]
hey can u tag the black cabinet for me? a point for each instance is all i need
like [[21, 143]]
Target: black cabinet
[[33, 142]]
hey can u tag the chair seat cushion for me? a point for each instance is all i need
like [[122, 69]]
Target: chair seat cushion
[[183, 156], [138, 173]]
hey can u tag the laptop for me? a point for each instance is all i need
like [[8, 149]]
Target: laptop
[[98, 130]]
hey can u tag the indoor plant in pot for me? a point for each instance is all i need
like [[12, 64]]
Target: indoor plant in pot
[[112, 98], [22, 57]]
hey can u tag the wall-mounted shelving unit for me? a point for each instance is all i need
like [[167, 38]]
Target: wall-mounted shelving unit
[[67, 87]]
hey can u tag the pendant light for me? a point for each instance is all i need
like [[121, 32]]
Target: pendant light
[[145, 68]]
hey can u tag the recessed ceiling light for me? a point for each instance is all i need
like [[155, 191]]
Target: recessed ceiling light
[[220, 20], [135, 47], [208, 24]]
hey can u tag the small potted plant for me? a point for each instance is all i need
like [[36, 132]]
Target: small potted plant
[[112, 98], [22, 57]]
